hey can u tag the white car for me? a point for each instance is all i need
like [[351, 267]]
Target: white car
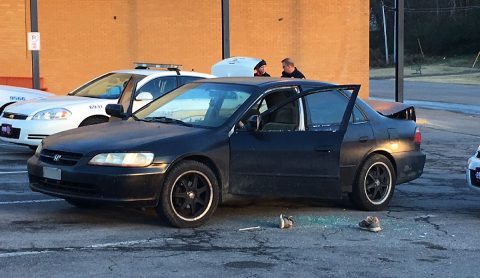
[[28, 122], [11, 94], [473, 171]]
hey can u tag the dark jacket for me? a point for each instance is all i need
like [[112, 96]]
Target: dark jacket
[[265, 74], [295, 74]]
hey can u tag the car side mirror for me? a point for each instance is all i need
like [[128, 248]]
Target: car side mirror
[[143, 96], [253, 123], [115, 110]]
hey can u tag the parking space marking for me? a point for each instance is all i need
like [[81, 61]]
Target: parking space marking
[[31, 201], [124, 243], [15, 254], [90, 247], [13, 172]]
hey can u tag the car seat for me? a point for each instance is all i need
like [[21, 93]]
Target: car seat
[[283, 119]]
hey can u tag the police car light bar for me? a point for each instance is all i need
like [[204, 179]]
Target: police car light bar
[[140, 65]]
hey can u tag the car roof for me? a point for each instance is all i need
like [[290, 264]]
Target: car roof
[[148, 72], [265, 81]]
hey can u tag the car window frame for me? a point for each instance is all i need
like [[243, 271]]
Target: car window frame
[[174, 77], [341, 92], [355, 88], [262, 96]]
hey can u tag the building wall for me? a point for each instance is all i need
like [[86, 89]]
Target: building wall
[[15, 59], [328, 39]]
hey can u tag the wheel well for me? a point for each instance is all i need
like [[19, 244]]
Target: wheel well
[[5, 105], [388, 156], [207, 161], [380, 152], [95, 117]]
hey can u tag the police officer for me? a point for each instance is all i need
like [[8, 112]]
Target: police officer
[[289, 69]]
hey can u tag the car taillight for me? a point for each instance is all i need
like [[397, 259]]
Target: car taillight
[[418, 136]]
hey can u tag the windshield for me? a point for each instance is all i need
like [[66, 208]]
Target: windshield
[[108, 86], [197, 104]]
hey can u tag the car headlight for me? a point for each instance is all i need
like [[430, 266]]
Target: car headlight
[[52, 114], [123, 159]]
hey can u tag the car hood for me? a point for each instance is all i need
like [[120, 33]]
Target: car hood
[[30, 107], [26, 92], [118, 136]]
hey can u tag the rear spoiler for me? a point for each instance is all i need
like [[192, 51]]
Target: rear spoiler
[[394, 110]]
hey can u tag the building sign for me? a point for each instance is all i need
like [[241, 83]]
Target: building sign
[[33, 41]]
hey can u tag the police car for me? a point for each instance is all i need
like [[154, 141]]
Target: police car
[[11, 94], [28, 122]]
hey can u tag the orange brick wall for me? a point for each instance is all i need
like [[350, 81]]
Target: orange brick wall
[[15, 59], [328, 39]]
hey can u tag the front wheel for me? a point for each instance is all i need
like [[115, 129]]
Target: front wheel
[[375, 184], [190, 195]]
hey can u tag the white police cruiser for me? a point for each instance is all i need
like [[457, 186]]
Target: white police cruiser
[[11, 94], [473, 171], [28, 122]]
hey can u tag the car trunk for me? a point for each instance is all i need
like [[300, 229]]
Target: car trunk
[[394, 110]]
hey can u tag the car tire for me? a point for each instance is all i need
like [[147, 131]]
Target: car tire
[[92, 121], [375, 184], [190, 195], [85, 204]]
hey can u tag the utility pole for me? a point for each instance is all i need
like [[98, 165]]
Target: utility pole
[[385, 33], [225, 29], [35, 53], [395, 34], [399, 23]]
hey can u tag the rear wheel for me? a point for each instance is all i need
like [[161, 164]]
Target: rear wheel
[[190, 195], [375, 184]]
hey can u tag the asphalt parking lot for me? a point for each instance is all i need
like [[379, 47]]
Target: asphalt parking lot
[[430, 228]]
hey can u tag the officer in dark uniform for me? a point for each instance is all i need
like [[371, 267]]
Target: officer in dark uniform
[[289, 69]]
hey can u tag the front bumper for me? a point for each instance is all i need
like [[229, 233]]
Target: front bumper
[[473, 173], [409, 165], [31, 132], [102, 184]]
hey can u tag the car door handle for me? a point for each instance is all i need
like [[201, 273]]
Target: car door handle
[[363, 139]]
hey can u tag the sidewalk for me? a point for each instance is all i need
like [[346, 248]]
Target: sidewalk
[[438, 73]]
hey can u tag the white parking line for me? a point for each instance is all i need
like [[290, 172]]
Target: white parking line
[[30, 201], [15, 254], [123, 243], [13, 172], [95, 246]]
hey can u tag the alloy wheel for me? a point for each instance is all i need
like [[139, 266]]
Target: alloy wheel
[[191, 195], [378, 183]]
